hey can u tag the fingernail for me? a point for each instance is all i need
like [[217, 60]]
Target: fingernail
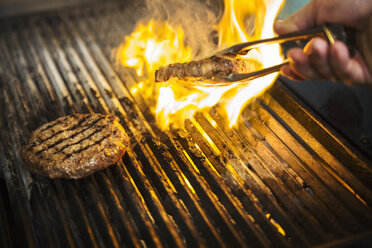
[[278, 24]]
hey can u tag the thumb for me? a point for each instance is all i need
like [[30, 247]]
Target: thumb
[[302, 19]]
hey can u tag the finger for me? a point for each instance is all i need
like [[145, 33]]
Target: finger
[[287, 72], [353, 71], [317, 50], [302, 19], [301, 66]]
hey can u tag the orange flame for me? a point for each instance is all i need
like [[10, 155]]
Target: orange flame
[[153, 45], [157, 44]]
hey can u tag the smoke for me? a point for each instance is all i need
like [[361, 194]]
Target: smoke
[[196, 18]]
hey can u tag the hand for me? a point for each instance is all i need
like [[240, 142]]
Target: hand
[[321, 61]]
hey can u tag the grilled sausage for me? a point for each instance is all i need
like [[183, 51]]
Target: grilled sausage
[[75, 146]]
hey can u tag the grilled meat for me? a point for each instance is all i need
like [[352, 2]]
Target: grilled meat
[[207, 68], [75, 146]]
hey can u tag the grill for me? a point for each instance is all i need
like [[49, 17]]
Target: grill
[[281, 178]]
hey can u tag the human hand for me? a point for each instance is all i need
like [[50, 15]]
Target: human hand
[[321, 61]]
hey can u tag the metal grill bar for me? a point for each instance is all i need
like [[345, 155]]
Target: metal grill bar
[[280, 178]]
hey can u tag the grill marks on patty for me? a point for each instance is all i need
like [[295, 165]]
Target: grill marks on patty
[[75, 146], [89, 137], [81, 127], [51, 125], [61, 130], [79, 141], [87, 147]]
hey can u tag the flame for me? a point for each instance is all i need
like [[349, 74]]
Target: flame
[[158, 43], [153, 45]]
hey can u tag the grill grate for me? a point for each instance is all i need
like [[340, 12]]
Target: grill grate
[[280, 178]]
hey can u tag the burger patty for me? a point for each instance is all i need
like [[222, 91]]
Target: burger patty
[[75, 146], [207, 68]]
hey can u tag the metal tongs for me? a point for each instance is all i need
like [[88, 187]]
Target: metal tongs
[[330, 32]]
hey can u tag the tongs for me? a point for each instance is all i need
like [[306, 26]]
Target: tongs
[[330, 32]]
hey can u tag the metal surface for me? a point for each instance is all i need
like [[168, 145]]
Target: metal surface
[[281, 178], [234, 78], [243, 48]]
